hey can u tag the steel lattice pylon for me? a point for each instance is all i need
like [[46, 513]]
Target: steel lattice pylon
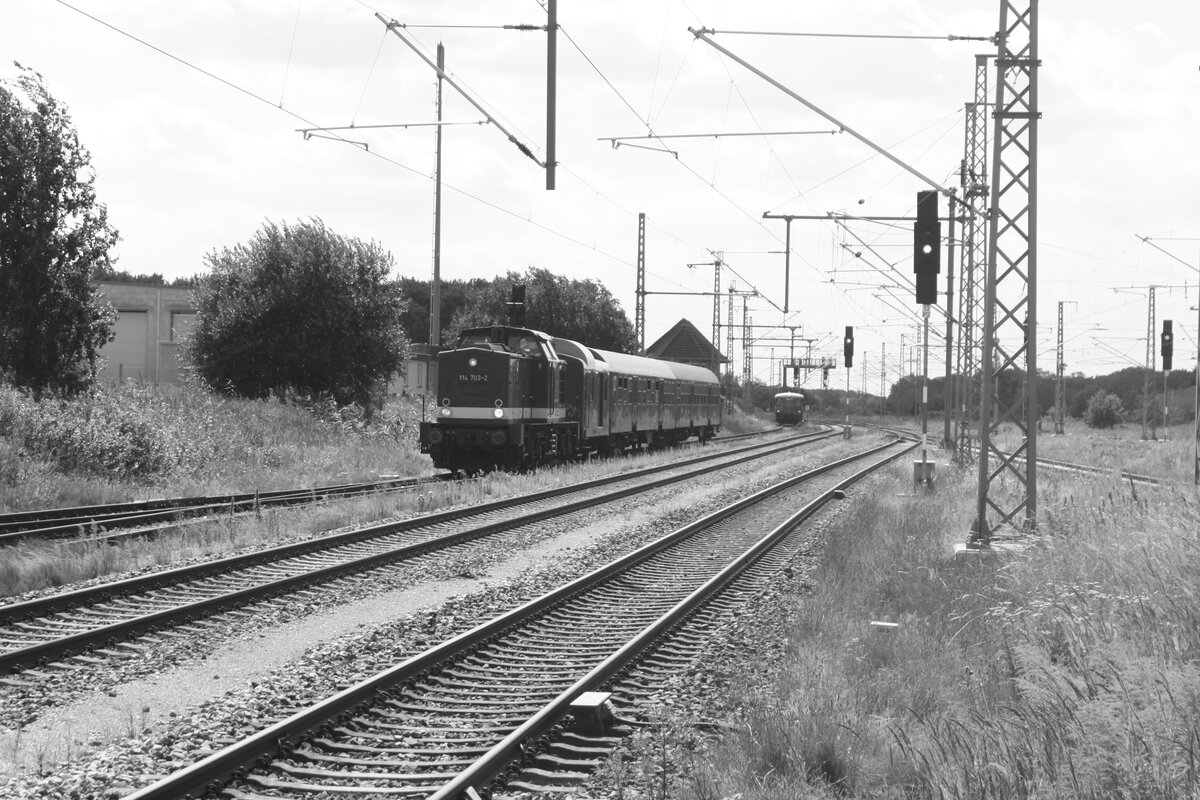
[[1148, 424], [639, 322], [1008, 470], [1060, 390], [729, 333], [747, 351], [716, 320], [747, 354], [974, 183]]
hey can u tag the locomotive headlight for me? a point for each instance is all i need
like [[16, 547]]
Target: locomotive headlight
[[472, 362], [445, 411], [498, 413]]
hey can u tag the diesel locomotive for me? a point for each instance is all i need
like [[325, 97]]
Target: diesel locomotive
[[789, 408], [515, 398]]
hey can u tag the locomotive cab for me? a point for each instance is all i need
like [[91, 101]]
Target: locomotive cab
[[500, 396]]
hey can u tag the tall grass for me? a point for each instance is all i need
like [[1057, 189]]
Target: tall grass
[[1170, 456], [1068, 668], [132, 441]]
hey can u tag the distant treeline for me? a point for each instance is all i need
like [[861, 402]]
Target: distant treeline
[[1125, 384], [152, 279]]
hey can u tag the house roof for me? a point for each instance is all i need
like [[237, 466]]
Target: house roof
[[685, 344]]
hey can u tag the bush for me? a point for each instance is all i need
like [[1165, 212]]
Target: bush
[[194, 441], [112, 433], [299, 309], [1104, 411]]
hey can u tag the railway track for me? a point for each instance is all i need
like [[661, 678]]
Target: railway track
[[484, 710], [1087, 469], [1062, 466], [149, 517], [114, 521], [86, 627]]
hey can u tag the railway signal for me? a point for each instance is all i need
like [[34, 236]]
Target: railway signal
[[516, 306], [848, 346], [1168, 345], [927, 250]]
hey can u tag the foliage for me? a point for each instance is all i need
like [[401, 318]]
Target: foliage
[[454, 297], [53, 236], [584, 311], [153, 279], [1103, 411], [298, 310], [134, 433]]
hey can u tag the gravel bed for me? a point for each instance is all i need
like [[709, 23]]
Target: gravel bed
[[703, 702], [166, 734]]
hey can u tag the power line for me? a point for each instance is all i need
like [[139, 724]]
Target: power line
[[291, 49], [947, 38], [615, 139], [314, 126], [185, 62], [370, 73]]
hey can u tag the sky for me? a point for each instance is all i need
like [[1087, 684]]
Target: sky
[[191, 111]]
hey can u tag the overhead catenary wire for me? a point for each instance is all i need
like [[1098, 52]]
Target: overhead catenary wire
[[510, 27], [291, 49], [566, 166], [712, 135], [665, 148], [315, 127], [370, 73], [392, 161], [820, 35], [686, 166], [740, 274], [394, 27], [374, 153]]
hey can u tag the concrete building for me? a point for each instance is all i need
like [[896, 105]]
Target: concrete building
[[151, 321]]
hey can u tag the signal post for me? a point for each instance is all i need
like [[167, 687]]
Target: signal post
[[927, 263]]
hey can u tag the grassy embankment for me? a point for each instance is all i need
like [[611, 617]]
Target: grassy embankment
[[134, 442], [1069, 668]]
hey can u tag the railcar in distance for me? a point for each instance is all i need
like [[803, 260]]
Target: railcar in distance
[[789, 408]]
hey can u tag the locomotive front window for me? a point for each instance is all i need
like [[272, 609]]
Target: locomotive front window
[[478, 337]]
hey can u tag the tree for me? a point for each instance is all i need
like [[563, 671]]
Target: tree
[[1103, 411], [454, 296], [53, 236], [584, 311], [152, 279], [299, 308]]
